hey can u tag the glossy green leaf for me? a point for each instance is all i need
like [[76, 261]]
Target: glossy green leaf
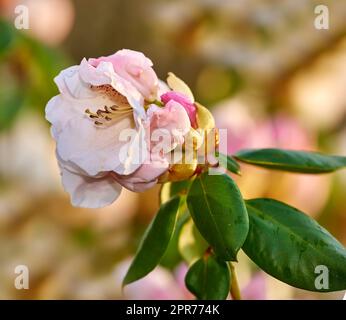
[[229, 163], [155, 241], [219, 212], [291, 160], [208, 279], [168, 190], [172, 256], [191, 244], [292, 247]]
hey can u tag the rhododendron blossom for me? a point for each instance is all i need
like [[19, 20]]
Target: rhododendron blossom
[[115, 124]]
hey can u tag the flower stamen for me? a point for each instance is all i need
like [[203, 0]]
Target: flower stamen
[[107, 114]]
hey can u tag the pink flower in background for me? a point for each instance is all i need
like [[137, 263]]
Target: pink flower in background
[[103, 130], [159, 284], [256, 288], [248, 128], [51, 21]]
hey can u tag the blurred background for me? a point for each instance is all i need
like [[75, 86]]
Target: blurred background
[[262, 68]]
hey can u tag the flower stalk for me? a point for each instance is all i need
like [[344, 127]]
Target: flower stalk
[[234, 290]]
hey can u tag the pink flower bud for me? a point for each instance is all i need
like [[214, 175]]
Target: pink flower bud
[[184, 101]]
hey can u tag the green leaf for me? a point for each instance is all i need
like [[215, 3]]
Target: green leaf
[[191, 244], [168, 190], [291, 160], [11, 102], [7, 36], [289, 245], [229, 162], [219, 212], [171, 189], [45, 64], [208, 279], [155, 241], [172, 256]]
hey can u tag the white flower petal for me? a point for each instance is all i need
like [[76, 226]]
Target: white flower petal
[[72, 167], [60, 78], [133, 153], [59, 111], [62, 108], [90, 192], [95, 76], [162, 88], [96, 149], [71, 85]]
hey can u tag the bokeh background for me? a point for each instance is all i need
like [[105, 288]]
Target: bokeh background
[[261, 67]]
